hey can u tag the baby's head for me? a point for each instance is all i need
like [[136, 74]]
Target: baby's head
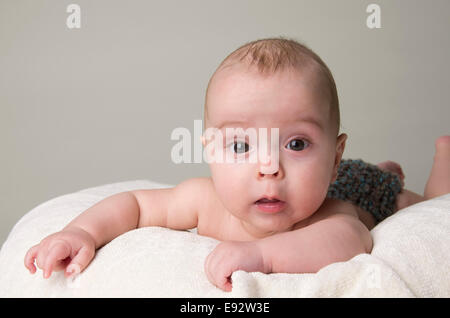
[[275, 83]]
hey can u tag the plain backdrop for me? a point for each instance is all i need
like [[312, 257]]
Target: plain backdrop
[[85, 107]]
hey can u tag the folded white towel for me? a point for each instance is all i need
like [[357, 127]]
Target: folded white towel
[[410, 258]]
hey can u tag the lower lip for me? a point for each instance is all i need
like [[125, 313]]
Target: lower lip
[[271, 207]]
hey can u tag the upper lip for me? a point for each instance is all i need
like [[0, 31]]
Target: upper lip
[[267, 197]]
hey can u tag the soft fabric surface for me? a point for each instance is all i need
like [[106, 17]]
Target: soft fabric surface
[[410, 258]]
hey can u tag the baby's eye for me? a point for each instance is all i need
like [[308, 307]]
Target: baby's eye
[[240, 147], [297, 144]]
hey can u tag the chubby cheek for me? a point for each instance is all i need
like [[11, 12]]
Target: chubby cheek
[[231, 183], [308, 189]]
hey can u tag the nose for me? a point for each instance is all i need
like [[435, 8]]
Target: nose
[[268, 175], [270, 170]]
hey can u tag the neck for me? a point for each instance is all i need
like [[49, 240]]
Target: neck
[[255, 233]]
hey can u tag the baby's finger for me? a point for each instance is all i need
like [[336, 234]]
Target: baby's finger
[[41, 256], [207, 267], [212, 263], [217, 273], [29, 258], [80, 261], [224, 281], [58, 251], [228, 286]]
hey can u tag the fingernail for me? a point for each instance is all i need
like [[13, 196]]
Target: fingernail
[[73, 269]]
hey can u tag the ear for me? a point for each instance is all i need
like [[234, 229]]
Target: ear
[[340, 146], [209, 152], [203, 140]]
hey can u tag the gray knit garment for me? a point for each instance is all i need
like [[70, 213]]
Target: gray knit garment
[[367, 186]]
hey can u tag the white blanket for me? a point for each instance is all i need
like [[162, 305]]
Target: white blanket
[[410, 258]]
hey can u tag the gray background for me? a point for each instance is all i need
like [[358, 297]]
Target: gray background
[[96, 105]]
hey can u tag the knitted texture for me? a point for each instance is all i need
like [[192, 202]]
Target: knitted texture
[[367, 186]]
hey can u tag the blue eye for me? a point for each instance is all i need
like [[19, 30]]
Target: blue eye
[[297, 144], [240, 147]]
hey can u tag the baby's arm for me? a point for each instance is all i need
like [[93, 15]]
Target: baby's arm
[[75, 245], [126, 211], [334, 238]]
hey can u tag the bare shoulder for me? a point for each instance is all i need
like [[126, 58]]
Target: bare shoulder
[[343, 212], [332, 208], [201, 185], [338, 207], [176, 207], [213, 220], [201, 190]]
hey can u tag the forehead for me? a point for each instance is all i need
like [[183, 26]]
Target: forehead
[[254, 99]]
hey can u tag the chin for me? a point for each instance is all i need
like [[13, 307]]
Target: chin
[[273, 226]]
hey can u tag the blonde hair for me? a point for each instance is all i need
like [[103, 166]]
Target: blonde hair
[[276, 54]]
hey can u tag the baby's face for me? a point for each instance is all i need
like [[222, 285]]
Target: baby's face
[[308, 148]]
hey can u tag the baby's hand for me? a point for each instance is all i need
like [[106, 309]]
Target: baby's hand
[[229, 257], [71, 249]]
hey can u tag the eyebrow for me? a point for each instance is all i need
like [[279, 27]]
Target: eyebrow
[[306, 119], [310, 120], [233, 123]]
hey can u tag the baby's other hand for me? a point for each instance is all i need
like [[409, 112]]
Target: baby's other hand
[[71, 249], [229, 257]]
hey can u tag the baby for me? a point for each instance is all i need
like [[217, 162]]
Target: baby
[[272, 215]]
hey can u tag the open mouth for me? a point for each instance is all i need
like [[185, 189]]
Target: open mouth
[[270, 205], [265, 200]]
